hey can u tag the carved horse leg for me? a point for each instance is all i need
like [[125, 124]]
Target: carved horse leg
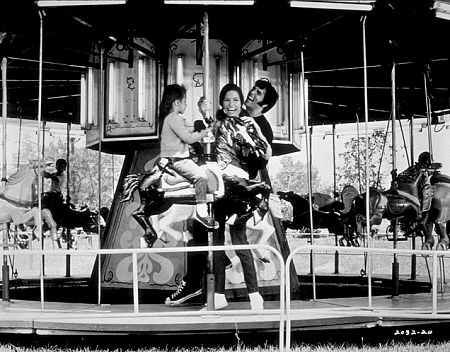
[[180, 212], [48, 218], [150, 235], [441, 230], [426, 227]]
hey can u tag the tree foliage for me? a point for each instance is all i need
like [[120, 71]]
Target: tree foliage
[[353, 169], [83, 169], [292, 176]]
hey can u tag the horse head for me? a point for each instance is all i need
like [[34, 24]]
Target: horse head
[[285, 195], [21, 187]]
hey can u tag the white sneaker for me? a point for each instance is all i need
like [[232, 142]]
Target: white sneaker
[[220, 302], [256, 301]]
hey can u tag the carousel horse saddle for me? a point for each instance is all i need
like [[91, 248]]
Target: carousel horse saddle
[[175, 185], [398, 198]]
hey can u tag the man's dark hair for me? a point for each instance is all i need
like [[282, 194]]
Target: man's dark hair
[[271, 96]]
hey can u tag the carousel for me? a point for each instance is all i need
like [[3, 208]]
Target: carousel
[[104, 65]]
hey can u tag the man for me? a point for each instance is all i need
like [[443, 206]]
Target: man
[[261, 98]]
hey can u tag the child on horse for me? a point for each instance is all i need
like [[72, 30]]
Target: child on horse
[[175, 141], [419, 173], [53, 198]]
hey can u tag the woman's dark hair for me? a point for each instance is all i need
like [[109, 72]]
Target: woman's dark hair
[[271, 96], [225, 89], [229, 87], [172, 92]]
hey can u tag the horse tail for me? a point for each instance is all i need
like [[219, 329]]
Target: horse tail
[[348, 195], [130, 183]]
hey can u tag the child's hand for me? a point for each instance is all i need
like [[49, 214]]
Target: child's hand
[[209, 136]]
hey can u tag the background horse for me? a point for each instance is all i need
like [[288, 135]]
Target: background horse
[[18, 200], [326, 216], [169, 196], [393, 204]]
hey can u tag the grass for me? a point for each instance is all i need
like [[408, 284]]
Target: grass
[[318, 347]]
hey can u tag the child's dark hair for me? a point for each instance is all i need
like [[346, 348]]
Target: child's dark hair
[[271, 96], [61, 162], [171, 93]]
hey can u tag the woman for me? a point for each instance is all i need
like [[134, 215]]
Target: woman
[[232, 163]]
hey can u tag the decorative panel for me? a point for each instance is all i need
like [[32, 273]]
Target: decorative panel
[[185, 69], [131, 88]]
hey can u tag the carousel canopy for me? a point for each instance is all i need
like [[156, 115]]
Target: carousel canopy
[[409, 33]]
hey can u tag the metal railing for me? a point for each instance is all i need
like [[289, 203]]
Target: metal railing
[[285, 310], [134, 252], [313, 250]]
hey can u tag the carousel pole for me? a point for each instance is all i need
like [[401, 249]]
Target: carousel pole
[[366, 125], [413, 238], [336, 243], [210, 277], [100, 126], [308, 160], [428, 107], [68, 234], [5, 267], [395, 264], [39, 113]]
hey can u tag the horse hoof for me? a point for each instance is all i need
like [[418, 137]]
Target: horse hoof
[[143, 243], [442, 246], [427, 246]]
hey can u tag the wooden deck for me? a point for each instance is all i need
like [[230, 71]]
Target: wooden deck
[[27, 317]]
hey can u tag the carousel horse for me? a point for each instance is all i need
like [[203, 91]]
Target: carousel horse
[[403, 204], [326, 214], [163, 192], [19, 198]]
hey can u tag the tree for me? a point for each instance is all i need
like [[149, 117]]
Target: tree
[[292, 177], [83, 168], [353, 171]]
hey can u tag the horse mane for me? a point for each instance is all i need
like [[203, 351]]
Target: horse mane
[[130, 183]]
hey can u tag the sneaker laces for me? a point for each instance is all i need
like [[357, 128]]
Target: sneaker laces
[[180, 288]]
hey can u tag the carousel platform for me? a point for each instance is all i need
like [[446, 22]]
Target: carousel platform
[[68, 310], [60, 318]]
